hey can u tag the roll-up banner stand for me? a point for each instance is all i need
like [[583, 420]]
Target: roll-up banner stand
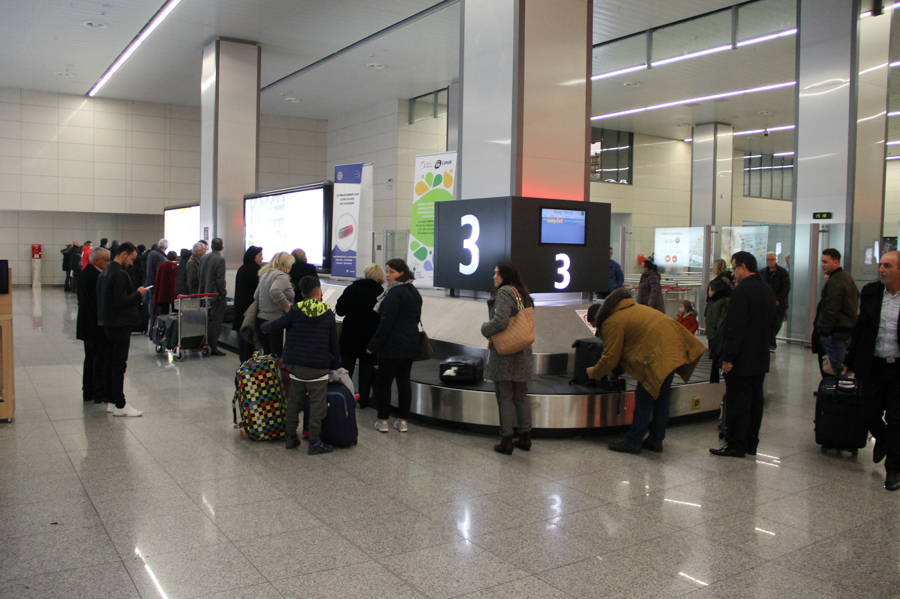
[[434, 182], [349, 181]]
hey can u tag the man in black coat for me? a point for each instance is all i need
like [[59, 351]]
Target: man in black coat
[[875, 357], [94, 371], [744, 350], [75, 262], [780, 282], [117, 313]]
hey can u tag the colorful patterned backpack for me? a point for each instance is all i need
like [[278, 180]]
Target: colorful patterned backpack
[[258, 404]]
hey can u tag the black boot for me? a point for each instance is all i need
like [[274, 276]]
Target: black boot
[[505, 446], [524, 441]]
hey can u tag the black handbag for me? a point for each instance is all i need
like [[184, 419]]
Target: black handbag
[[426, 352]]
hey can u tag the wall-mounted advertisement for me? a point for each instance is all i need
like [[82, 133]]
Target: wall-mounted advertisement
[[345, 233], [434, 178], [182, 227], [678, 247], [745, 239]]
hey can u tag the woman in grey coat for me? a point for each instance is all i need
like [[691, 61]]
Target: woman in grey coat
[[275, 295], [509, 373], [649, 288]]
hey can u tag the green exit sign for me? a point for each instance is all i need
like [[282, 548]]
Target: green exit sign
[[822, 215]]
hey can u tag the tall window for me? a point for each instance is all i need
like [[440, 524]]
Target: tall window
[[612, 156], [768, 175]]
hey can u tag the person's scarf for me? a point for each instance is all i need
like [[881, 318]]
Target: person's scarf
[[390, 286]]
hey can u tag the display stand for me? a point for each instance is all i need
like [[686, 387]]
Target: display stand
[[7, 372]]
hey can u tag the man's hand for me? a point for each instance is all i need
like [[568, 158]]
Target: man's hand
[[368, 351], [142, 291], [777, 303], [590, 371], [727, 366]]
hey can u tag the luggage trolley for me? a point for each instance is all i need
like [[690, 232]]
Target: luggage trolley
[[190, 323]]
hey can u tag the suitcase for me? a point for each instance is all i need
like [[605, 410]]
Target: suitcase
[[840, 416], [462, 369], [587, 353], [164, 333], [258, 404], [339, 427]]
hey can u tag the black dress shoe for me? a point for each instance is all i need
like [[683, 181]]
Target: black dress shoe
[[216, 352], [879, 451], [727, 452], [623, 447], [892, 482], [648, 444]]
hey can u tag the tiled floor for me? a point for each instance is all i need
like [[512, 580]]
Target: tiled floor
[[175, 504]]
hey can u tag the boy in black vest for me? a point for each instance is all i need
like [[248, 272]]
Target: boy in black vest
[[311, 352]]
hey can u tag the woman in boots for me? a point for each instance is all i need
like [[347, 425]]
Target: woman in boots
[[510, 373]]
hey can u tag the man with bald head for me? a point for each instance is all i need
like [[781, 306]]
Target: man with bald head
[[780, 282], [875, 357]]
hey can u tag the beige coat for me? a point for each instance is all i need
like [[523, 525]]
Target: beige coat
[[648, 344]]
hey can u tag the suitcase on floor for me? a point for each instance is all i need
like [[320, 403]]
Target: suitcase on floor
[[840, 416], [462, 369], [339, 427], [164, 333], [258, 404]]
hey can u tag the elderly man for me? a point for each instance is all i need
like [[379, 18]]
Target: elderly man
[[193, 268], [780, 282], [630, 333], [875, 357], [94, 373], [212, 280]]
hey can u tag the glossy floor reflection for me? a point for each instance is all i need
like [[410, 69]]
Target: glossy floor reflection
[[176, 505]]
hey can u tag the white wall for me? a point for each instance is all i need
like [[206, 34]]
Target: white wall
[[20, 228]]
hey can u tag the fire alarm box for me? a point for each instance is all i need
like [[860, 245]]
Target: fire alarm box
[[35, 251]]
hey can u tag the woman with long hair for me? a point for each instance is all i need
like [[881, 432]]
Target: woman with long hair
[[275, 295], [396, 342], [510, 373], [650, 289]]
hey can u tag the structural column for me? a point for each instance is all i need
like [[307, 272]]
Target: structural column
[[525, 88], [712, 163], [229, 98], [843, 68]]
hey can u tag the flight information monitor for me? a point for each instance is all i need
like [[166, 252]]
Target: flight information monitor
[[562, 226]]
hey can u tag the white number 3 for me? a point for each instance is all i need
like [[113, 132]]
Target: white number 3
[[564, 271], [470, 244]]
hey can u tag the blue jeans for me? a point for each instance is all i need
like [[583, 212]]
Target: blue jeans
[[836, 350], [649, 413]]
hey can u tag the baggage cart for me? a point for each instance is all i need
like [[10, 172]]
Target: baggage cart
[[191, 318]]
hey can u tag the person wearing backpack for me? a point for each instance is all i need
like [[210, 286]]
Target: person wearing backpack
[[311, 352]]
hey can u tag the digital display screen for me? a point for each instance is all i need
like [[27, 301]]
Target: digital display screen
[[182, 227], [562, 226], [287, 221]]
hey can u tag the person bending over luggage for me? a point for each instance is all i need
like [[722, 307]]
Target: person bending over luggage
[[512, 372], [652, 348], [311, 352], [875, 357]]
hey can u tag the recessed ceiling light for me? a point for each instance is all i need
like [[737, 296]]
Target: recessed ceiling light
[[294, 100], [764, 112], [632, 84], [96, 24], [375, 65], [64, 74]]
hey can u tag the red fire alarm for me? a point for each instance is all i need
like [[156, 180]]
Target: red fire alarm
[[35, 250]]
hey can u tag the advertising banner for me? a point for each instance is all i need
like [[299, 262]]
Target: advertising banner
[[679, 247], [345, 220], [434, 177], [746, 239]]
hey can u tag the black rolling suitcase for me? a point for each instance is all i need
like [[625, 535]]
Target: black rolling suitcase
[[588, 352], [462, 369], [840, 416], [339, 426]]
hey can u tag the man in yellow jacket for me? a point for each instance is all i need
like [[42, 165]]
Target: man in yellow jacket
[[652, 348]]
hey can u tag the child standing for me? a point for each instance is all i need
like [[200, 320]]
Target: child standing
[[687, 316], [311, 352], [719, 298]]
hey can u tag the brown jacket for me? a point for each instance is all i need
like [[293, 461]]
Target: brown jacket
[[648, 344]]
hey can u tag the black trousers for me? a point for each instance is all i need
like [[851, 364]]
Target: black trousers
[[94, 372], [245, 349], [881, 396], [743, 411], [776, 326], [367, 374], [388, 370], [119, 343], [271, 344]]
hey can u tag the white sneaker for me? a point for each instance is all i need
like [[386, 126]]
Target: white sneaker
[[381, 427], [127, 411], [400, 425], [110, 407]]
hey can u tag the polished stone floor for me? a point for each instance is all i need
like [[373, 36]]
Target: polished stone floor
[[175, 504]]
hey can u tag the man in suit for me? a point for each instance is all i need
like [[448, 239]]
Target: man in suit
[[94, 372], [117, 313], [875, 357], [745, 356], [212, 280], [780, 282]]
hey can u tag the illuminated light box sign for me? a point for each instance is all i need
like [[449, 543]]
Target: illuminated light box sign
[[472, 236], [182, 227], [678, 247], [745, 239]]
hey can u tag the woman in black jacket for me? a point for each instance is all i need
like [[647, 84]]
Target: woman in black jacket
[[396, 342], [360, 323], [181, 284], [245, 282]]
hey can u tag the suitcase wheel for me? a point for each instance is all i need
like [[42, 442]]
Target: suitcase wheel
[[178, 354], [206, 350], [160, 349]]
